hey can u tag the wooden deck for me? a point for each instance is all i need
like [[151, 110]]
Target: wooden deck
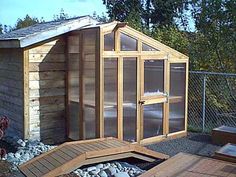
[[69, 156], [187, 165]]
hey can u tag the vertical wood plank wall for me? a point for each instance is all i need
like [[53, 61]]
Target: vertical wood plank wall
[[11, 89], [47, 91]]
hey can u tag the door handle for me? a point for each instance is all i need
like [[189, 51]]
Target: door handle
[[141, 102]]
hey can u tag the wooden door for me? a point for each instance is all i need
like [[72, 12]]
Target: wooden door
[[153, 99]]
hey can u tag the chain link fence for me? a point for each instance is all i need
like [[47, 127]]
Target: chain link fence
[[211, 100]]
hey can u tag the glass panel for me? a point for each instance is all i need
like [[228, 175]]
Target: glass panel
[[177, 97], [129, 98], [127, 43], [153, 77], [110, 97], [73, 86], [152, 120], [109, 42], [89, 82], [146, 47]]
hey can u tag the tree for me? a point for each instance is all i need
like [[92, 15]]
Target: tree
[[214, 46], [165, 12], [125, 10], [102, 18], [27, 21], [1, 29], [173, 37], [61, 16], [146, 13]]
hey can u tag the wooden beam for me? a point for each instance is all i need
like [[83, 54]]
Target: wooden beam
[[120, 98], [26, 93], [101, 93]]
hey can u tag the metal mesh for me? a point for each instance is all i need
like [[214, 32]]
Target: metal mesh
[[212, 100]]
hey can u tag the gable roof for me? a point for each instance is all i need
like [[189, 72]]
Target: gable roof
[[42, 31]]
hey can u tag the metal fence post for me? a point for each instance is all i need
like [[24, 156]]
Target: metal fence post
[[204, 103]]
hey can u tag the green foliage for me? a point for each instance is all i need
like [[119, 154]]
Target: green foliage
[[164, 12], [103, 18], [61, 16], [125, 10], [172, 37], [1, 29], [214, 46], [140, 13], [27, 21]]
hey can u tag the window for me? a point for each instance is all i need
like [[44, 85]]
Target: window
[[177, 89], [153, 77], [110, 97], [109, 42], [146, 47], [127, 43]]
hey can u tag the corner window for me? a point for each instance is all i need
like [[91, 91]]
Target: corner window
[[128, 43], [146, 47], [109, 42]]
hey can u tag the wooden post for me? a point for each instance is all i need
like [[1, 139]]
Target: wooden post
[[26, 93]]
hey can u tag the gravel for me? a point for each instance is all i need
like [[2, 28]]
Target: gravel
[[25, 151], [110, 169], [194, 143]]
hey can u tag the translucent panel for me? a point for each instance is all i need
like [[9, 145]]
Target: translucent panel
[[128, 43], [153, 77], [73, 86], [177, 97], [110, 97], [176, 117], [89, 83], [177, 79], [152, 120], [109, 42], [129, 98], [146, 47]]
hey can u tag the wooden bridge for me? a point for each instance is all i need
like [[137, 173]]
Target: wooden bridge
[[72, 155]]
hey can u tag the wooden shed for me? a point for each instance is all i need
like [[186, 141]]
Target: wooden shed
[[79, 79]]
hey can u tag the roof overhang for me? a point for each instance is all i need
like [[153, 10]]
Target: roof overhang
[[50, 33]]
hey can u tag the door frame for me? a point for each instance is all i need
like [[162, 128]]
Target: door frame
[[152, 99], [182, 61]]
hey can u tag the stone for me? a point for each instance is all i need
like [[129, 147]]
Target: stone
[[91, 168], [21, 143], [99, 166], [95, 172], [121, 174], [102, 174], [17, 155], [110, 171]]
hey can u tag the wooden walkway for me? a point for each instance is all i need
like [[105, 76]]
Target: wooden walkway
[[71, 155], [187, 165]]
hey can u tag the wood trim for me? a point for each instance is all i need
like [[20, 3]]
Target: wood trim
[[98, 79], [153, 139], [166, 104], [186, 96], [152, 42], [148, 55], [138, 107], [26, 117], [101, 92], [120, 98]]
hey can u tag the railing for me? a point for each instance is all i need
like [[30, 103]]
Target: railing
[[211, 100]]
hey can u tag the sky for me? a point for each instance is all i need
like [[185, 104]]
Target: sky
[[11, 10]]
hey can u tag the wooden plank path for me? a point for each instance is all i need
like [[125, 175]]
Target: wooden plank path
[[71, 155], [188, 165]]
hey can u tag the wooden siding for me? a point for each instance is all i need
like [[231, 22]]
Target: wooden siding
[[47, 91], [11, 89]]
